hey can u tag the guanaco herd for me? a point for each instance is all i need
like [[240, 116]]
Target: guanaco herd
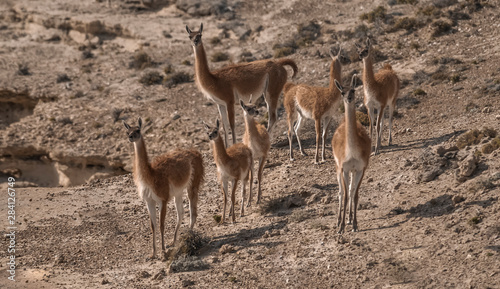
[[168, 175]]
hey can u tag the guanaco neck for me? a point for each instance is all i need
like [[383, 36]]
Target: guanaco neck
[[368, 75], [142, 168], [201, 64], [351, 125], [335, 73], [220, 154], [250, 125]]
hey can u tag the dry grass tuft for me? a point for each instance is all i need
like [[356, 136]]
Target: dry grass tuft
[[219, 56], [377, 13], [151, 78], [177, 78], [474, 137]]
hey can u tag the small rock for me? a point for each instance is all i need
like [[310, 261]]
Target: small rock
[[466, 168], [104, 282]]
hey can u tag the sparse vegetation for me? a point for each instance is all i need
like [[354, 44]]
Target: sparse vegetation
[[455, 78], [285, 49], [474, 137], [440, 27], [168, 69], [299, 216], [217, 218], [215, 41], [151, 77], [474, 220], [219, 56], [377, 13], [411, 2], [63, 77], [363, 118], [471, 107], [307, 33], [406, 23], [419, 92], [177, 78], [492, 146], [115, 114], [23, 69], [186, 62], [141, 60]]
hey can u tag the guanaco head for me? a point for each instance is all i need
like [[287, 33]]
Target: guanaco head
[[347, 94], [195, 36], [212, 133], [249, 109], [363, 52], [134, 133], [339, 56]]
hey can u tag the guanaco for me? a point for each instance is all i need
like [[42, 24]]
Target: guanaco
[[351, 149], [381, 90], [257, 139], [230, 83], [233, 164], [312, 102], [166, 177]]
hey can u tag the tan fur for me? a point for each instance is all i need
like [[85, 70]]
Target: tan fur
[[228, 84], [317, 103], [176, 170], [351, 149], [233, 164], [381, 90], [257, 139]]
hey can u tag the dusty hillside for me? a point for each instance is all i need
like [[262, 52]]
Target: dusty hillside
[[71, 71]]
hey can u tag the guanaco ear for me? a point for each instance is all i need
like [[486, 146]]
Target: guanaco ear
[[188, 30], [126, 125], [201, 28], [217, 124], [242, 104], [339, 87], [353, 81], [139, 122], [368, 42], [358, 47]]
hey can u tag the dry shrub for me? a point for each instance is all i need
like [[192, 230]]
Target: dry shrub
[[141, 60], [151, 77], [377, 13], [411, 2], [285, 49], [440, 27], [419, 92], [23, 69], [219, 56], [363, 118], [407, 23], [183, 256], [474, 137], [490, 147], [307, 33], [177, 78]]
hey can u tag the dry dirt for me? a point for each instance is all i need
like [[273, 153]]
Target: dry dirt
[[425, 222]]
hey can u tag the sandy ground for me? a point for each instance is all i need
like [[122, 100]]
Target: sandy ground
[[79, 220]]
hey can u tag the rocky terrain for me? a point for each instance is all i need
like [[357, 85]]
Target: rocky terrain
[[71, 71]]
